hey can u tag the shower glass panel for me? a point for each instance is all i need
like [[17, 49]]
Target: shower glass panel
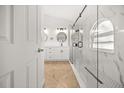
[[77, 38], [99, 60], [85, 57], [108, 68]]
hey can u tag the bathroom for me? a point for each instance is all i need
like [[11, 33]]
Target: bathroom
[[61, 46]]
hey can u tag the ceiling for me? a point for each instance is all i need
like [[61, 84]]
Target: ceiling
[[67, 12]]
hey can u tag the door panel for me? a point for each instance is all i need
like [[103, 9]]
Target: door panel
[[32, 23], [31, 74], [7, 80], [32, 30], [40, 44], [19, 37], [6, 24]]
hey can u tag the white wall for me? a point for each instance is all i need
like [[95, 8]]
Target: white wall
[[67, 12]]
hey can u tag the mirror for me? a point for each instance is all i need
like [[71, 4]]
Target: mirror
[[61, 37], [75, 37]]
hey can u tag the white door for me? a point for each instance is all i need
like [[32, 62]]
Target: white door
[[40, 43], [19, 43]]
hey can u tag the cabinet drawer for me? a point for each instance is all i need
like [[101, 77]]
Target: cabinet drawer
[[58, 53]]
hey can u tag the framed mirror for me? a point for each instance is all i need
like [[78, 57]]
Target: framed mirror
[[76, 36], [61, 37]]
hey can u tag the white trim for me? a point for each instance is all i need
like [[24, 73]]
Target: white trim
[[43, 83], [56, 60], [80, 81]]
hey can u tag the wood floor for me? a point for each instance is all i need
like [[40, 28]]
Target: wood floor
[[59, 75]]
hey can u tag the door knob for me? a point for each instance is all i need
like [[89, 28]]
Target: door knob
[[40, 50]]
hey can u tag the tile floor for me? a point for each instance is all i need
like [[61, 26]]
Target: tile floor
[[59, 75]]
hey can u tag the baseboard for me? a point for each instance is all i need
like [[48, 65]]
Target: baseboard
[[80, 81], [43, 84], [57, 60]]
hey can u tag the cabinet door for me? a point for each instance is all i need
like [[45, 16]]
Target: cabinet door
[[64, 52]]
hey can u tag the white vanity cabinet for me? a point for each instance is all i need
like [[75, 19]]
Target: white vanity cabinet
[[57, 53]]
